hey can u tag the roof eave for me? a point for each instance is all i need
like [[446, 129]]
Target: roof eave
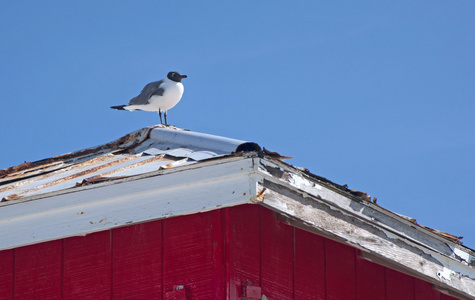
[[303, 201]]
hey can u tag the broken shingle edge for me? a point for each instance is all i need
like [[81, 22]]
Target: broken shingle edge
[[124, 143], [130, 141]]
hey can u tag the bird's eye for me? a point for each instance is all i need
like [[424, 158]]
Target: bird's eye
[[173, 74]]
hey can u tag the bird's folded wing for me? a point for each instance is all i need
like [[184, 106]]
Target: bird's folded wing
[[151, 89]]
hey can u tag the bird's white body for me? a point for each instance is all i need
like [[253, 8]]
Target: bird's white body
[[159, 96], [171, 96]]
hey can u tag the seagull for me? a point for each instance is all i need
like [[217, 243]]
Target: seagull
[[158, 96]]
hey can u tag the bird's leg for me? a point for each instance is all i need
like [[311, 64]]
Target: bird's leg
[[165, 114], [160, 114]]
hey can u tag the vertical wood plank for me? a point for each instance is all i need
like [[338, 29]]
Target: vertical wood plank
[[277, 247], [218, 266], [137, 261], [243, 248], [399, 285], [425, 291], [309, 278], [38, 271], [369, 280], [6, 274], [87, 266], [340, 270], [192, 255]]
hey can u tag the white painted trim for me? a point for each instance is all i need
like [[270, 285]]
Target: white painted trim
[[89, 210]]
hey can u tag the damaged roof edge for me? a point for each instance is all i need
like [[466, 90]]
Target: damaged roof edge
[[362, 196], [127, 141], [162, 135], [202, 140]]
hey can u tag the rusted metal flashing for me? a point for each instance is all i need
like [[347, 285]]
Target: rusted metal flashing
[[276, 155], [259, 195], [125, 143], [67, 178], [78, 165], [97, 179], [454, 238]]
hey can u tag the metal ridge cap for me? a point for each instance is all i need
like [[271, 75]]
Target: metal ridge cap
[[201, 140]]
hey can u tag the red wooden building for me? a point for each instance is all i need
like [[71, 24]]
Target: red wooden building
[[164, 213]]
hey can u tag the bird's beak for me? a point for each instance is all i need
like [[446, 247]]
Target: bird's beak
[[184, 76]]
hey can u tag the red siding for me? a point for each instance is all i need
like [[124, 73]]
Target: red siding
[[193, 255], [87, 267], [399, 285], [242, 248], [424, 291], [6, 274], [340, 271], [370, 282], [214, 255], [277, 249], [137, 261], [309, 276], [38, 271]]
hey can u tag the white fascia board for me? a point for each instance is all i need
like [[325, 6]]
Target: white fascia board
[[186, 190]]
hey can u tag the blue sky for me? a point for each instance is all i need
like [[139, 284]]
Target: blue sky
[[378, 95]]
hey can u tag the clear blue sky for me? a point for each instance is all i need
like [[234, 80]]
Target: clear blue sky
[[378, 95]]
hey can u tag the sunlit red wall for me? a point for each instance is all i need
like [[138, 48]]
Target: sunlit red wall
[[213, 255]]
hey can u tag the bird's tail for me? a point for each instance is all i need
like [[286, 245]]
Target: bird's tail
[[119, 107]]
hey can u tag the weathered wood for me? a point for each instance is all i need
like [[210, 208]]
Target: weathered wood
[[320, 217], [361, 209]]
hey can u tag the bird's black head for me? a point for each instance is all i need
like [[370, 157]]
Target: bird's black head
[[175, 76]]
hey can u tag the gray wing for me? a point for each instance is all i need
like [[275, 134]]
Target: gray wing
[[151, 89]]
